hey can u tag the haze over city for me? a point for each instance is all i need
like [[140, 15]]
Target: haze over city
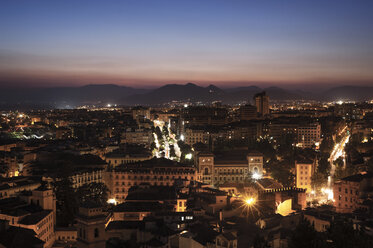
[[151, 43], [185, 123]]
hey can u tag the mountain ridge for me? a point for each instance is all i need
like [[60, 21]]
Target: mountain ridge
[[112, 93]]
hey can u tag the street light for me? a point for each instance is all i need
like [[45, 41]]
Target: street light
[[250, 201], [256, 176]]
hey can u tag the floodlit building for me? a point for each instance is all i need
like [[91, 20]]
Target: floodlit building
[[304, 171], [229, 167]]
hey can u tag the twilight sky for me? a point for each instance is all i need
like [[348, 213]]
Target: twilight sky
[[153, 42]]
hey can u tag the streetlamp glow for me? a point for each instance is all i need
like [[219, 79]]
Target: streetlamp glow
[[250, 201], [112, 201], [256, 176]]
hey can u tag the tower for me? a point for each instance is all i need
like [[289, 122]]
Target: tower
[[255, 163], [90, 223], [205, 166], [262, 103]]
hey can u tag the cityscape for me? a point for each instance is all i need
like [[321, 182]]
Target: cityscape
[[144, 124]]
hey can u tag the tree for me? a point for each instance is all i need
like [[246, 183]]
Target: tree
[[172, 151], [96, 192], [318, 180], [342, 234], [165, 131], [153, 146], [324, 166], [284, 176], [370, 165], [305, 236], [281, 171], [260, 242], [67, 204]]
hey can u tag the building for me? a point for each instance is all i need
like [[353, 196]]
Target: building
[[34, 211], [87, 176], [66, 235], [262, 103], [193, 136], [43, 197], [309, 135], [90, 223], [10, 187], [304, 171], [280, 199], [156, 172], [202, 116], [248, 112], [117, 158], [350, 192], [233, 167], [137, 136], [140, 113], [42, 224], [145, 200]]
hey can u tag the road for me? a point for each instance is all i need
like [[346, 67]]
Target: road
[[168, 140], [338, 151]]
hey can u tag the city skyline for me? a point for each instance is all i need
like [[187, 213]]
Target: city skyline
[[152, 43]]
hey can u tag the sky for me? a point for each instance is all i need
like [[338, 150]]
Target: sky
[[147, 43]]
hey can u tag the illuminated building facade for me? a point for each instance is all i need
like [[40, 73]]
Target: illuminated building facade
[[156, 172], [304, 171], [218, 170]]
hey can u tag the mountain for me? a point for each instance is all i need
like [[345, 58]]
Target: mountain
[[72, 96], [177, 92], [62, 97], [194, 93], [277, 93], [348, 93]]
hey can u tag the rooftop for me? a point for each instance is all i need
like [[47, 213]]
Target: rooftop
[[35, 218]]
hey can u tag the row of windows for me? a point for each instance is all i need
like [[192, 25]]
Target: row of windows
[[346, 198], [67, 237], [345, 205], [45, 221], [145, 173], [82, 233], [229, 178], [346, 191], [230, 171], [154, 177]]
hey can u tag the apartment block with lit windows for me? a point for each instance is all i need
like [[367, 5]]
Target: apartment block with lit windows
[[309, 135], [304, 171]]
